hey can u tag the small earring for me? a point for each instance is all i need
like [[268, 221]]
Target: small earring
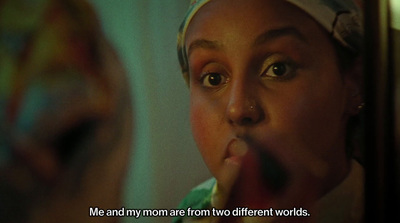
[[361, 106], [251, 107]]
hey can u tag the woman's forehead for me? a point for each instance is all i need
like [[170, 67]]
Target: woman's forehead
[[342, 19], [247, 16]]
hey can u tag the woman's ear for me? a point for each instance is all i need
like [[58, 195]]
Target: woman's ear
[[353, 78]]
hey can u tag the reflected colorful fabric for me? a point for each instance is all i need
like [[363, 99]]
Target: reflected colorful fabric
[[57, 75]]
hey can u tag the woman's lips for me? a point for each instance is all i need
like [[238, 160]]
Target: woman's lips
[[236, 150], [250, 155]]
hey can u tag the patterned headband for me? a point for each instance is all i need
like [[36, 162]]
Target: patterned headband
[[341, 18]]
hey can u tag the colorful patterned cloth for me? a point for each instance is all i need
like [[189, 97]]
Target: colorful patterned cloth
[[341, 18], [65, 113], [59, 78], [198, 198]]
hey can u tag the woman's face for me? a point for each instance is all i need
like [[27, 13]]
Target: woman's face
[[265, 82]]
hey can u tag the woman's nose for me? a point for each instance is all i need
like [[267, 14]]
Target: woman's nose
[[243, 107]]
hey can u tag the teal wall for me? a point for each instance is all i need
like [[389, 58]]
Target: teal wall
[[165, 163]]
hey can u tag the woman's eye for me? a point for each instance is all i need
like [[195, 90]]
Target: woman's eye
[[213, 79], [277, 70]]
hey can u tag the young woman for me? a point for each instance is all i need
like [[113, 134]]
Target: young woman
[[274, 88]]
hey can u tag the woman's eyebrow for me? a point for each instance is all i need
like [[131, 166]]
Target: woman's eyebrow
[[204, 44], [278, 33]]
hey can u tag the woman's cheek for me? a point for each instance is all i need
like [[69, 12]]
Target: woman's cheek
[[208, 134], [203, 118], [197, 124], [202, 127]]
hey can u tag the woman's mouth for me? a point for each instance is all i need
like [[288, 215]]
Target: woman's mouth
[[236, 150], [250, 155], [272, 172]]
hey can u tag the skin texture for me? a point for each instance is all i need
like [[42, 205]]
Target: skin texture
[[295, 120]]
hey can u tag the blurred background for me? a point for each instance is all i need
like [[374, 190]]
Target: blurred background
[[165, 163]]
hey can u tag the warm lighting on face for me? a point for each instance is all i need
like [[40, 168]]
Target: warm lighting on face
[[395, 13]]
